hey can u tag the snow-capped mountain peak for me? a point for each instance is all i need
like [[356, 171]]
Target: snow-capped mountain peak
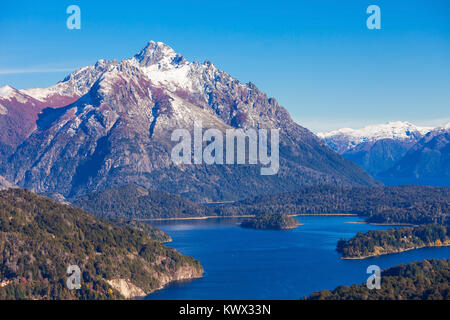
[[167, 68], [390, 130], [170, 70], [6, 90], [346, 138], [160, 55], [377, 148], [9, 94]]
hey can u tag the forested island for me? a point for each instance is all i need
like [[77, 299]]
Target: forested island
[[424, 280], [379, 242], [40, 239], [274, 221]]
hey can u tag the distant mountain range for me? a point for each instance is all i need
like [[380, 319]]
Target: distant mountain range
[[427, 162], [109, 124], [346, 139], [397, 152]]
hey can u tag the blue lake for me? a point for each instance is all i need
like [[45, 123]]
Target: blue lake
[[260, 264]]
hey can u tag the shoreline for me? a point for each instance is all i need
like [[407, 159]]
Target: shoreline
[[244, 216], [194, 218], [382, 224], [324, 214], [274, 229], [168, 284], [394, 252]]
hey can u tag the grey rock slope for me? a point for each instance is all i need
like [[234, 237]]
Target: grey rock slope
[[378, 156], [427, 162], [5, 184], [375, 148], [118, 132]]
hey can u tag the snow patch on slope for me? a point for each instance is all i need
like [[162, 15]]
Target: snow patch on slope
[[5, 184], [171, 79], [3, 110]]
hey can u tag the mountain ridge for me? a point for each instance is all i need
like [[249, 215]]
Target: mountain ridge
[[118, 132], [428, 161], [346, 138], [387, 150]]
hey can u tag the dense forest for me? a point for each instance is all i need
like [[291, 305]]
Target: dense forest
[[134, 202], [428, 279], [403, 204], [153, 232], [274, 221], [40, 238], [377, 242]]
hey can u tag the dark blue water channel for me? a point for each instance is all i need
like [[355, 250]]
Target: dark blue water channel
[[259, 264]]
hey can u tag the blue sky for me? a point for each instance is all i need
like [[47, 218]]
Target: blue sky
[[317, 58]]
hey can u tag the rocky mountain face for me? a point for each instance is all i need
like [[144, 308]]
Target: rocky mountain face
[[19, 109], [378, 156], [5, 184], [375, 148], [396, 152], [428, 161], [18, 115], [118, 131]]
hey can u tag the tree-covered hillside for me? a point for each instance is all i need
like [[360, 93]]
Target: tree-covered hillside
[[405, 204], [40, 238], [378, 242], [134, 202], [428, 279]]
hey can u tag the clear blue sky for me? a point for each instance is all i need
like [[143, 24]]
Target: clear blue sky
[[316, 57]]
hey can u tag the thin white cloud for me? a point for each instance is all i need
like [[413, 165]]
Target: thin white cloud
[[35, 70], [325, 125], [433, 122]]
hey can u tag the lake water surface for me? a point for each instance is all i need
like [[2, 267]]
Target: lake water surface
[[260, 264]]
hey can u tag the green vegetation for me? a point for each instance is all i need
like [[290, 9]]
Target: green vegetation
[[270, 222], [40, 238], [425, 280], [153, 232], [134, 202], [378, 242], [405, 204]]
